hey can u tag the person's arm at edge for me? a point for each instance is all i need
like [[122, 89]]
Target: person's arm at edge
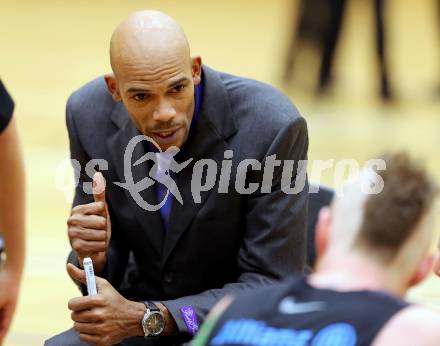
[[12, 207], [414, 325]]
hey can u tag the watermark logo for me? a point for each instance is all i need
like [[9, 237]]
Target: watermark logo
[[164, 165], [252, 176]]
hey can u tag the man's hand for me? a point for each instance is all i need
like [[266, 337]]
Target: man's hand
[[106, 318], [9, 287], [89, 227]]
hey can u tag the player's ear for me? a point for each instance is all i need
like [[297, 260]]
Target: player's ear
[[322, 230], [423, 270], [196, 69], [112, 87]]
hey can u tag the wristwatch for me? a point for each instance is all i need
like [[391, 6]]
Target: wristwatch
[[153, 322]]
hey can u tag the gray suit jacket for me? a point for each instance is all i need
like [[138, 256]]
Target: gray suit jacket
[[228, 241]]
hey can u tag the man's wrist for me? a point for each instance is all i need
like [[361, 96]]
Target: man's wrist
[[170, 323], [137, 311], [99, 263]]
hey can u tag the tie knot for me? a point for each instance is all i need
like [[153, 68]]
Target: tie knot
[[163, 161]]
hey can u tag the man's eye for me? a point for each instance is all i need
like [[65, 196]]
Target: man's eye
[[178, 88], [140, 97]]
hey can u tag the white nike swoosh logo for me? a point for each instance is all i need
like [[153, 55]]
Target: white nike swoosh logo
[[289, 306]]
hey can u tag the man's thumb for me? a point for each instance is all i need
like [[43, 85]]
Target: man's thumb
[[99, 187], [76, 273]]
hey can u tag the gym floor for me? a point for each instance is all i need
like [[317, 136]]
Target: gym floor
[[50, 48]]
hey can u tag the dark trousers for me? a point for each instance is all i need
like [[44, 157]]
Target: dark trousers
[[71, 338], [337, 10]]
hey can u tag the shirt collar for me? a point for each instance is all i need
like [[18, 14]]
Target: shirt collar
[[198, 96]]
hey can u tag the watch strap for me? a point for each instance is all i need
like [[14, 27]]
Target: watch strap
[[151, 306]]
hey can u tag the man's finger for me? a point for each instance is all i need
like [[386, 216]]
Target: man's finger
[[76, 273], [86, 248], [79, 304], [99, 187], [86, 316], [87, 328], [95, 220], [79, 275], [93, 208], [87, 234], [85, 303]]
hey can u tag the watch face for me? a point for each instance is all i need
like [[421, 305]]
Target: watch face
[[154, 324]]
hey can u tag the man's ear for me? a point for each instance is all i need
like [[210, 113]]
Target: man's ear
[[322, 230], [423, 270], [112, 86], [196, 69]]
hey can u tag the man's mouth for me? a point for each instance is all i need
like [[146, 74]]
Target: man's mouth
[[167, 132], [167, 135]]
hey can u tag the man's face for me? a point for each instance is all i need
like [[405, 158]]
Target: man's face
[[160, 100]]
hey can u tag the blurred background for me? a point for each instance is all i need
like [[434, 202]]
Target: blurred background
[[365, 74]]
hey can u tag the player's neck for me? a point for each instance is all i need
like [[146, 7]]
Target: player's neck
[[354, 272]]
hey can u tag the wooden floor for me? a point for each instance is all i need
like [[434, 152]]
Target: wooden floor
[[49, 48]]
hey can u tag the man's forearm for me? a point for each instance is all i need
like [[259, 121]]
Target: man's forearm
[[203, 302]]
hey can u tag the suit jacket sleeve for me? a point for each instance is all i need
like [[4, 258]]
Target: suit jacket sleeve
[[117, 254], [274, 243]]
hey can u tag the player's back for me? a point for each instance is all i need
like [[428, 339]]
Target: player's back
[[295, 313]]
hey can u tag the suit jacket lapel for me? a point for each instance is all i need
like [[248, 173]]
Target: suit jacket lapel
[[150, 221], [208, 140]]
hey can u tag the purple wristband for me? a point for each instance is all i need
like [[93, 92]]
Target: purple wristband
[[190, 318]]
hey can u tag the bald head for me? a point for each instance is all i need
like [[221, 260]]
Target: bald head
[[148, 39], [154, 76]]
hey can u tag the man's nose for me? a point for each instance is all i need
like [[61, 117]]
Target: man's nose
[[164, 111]]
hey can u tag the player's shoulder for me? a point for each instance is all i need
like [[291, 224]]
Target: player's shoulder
[[413, 325], [263, 102], [91, 98], [273, 291]]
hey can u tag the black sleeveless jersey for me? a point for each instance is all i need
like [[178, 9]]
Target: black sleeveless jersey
[[6, 107], [297, 314]]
